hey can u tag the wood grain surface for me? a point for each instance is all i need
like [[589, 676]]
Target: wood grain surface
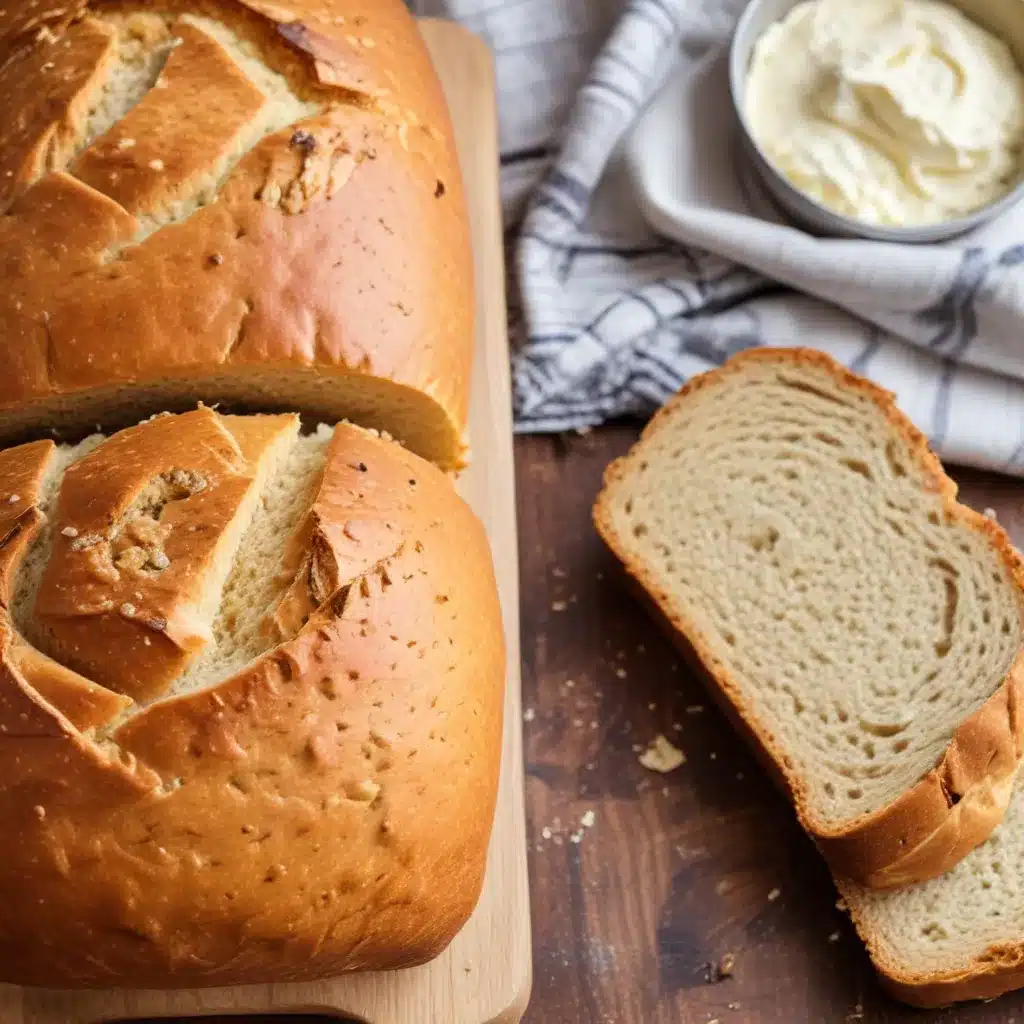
[[484, 975], [677, 871]]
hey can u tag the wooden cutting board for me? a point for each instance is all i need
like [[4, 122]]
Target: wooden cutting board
[[484, 976]]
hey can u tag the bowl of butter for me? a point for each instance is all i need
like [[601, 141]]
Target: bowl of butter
[[897, 120]]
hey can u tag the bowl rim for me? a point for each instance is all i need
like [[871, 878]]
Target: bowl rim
[[835, 223]]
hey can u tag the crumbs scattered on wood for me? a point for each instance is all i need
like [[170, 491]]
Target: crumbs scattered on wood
[[662, 756]]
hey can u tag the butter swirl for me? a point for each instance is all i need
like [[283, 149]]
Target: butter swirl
[[895, 112]]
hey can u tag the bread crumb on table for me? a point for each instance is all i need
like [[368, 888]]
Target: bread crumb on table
[[725, 967], [694, 709], [662, 756], [587, 821], [558, 606], [834, 937], [529, 715], [774, 894]]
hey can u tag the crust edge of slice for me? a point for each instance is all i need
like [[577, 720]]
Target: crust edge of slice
[[954, 807]]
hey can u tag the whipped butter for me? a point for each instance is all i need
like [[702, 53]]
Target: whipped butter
[[894, 112]]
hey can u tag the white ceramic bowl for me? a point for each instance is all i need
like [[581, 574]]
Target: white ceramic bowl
[[1003, 17]]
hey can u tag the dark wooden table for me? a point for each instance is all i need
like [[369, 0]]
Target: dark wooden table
[[677, 870]]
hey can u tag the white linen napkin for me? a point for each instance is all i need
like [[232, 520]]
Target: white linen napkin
[[629, 283]]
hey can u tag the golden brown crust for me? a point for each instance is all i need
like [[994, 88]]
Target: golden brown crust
[[335, 255], [140, 525], [955, 806], [326, 809]]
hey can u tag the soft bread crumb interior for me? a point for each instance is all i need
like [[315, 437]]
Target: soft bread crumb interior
[[797, 535], [256, 582]]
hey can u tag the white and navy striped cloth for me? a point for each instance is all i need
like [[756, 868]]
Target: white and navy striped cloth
[[610, 316]]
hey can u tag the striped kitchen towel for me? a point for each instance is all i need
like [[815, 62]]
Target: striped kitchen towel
[[610, 317]]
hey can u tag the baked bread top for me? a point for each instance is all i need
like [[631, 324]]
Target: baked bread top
[[225, 200], [281, 761]]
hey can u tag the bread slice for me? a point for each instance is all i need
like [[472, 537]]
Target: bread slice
[[861, 626], [960, 936]]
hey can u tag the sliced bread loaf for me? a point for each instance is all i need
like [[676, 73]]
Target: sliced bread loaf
[[957, 937], [861, 626]]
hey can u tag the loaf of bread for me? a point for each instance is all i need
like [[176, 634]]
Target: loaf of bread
[[860, 626], [250, 705], [230, 200]]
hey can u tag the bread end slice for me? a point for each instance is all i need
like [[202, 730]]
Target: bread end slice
[[726, 534], [956, 937]]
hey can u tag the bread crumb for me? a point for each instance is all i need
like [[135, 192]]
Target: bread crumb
[[621, 673], [676, 727], [40, 811], [774, 894], [558, 606], [558, 573], [722, 887], [570, 683], [577, 723], [365, 791], [545, 832], [713, 756], [841, 904], [652, 706], [14, 499], [694, 709], [575, 837], [156, 165], [857, 1013], [725, 967], [587, 821], [128, 609], [990, 513], [834, 937], [69, 531], [529, 715], [159, 560], [662, 756], [126, 144]]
